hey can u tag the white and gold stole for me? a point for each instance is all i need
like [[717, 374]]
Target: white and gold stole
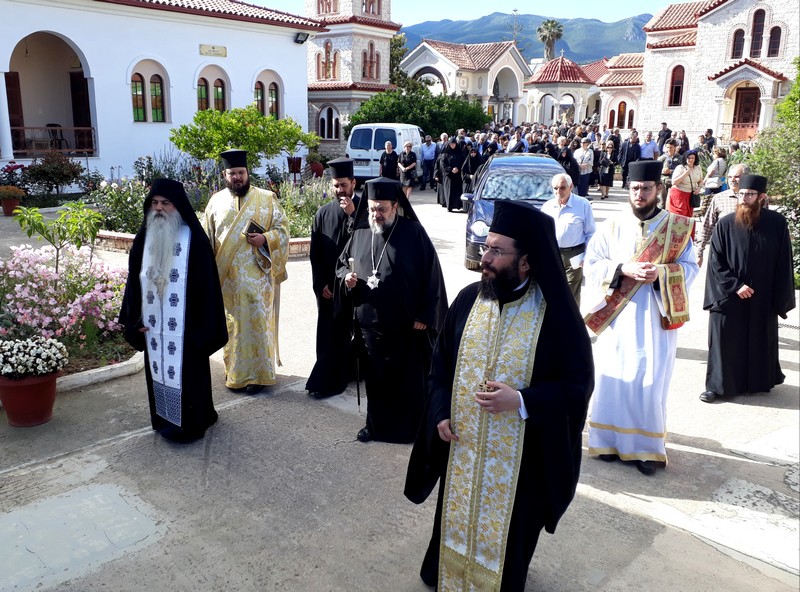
[[165, 317], [483, 468]]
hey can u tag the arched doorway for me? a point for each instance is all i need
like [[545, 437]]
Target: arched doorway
[[434, 78], [44, 70], [746, 112]]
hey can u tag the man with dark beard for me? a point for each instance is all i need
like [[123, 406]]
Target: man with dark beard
[[749, 284], [172, 309], [396, 285], [330, 232], [640, 268], [249, 234], [503, 429]]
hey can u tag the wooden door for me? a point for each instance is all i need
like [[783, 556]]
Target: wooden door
[[746, 112], [15, 118], [81, 115]]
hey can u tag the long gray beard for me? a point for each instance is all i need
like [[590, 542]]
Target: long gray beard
[[378, 228], [162, 232]]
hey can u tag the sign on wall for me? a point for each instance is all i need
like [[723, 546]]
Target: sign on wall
[[217, 51]]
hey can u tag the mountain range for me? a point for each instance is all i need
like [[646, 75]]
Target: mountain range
[[584, 40]]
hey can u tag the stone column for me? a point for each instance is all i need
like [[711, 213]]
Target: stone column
[[766, 113], [6, 146]]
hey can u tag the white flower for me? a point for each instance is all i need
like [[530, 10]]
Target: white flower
[[31, 357], [103, 184]]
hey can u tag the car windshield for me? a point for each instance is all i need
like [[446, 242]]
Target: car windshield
[[516, 185]]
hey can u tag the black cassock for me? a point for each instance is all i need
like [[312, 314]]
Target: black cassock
[[334, 365], [556, 401], [743, 333], [411, 288], [452, 181], [206, 330]]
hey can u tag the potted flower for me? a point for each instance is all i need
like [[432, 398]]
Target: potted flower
[[28, 372], [10, 197], [315, 163]]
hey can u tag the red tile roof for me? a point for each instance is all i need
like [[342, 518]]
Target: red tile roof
[[336, 85], [228, 9], [711, 5], [621, 79], [752, 64], [595, 70], [475, 56], [686, 39], [361, 20], [677, 16], [560, 69], [626, 60]]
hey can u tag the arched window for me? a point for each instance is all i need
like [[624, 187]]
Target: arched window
[[737, 49], [676, 87], [371, 7], [370, 63], [328, 128], [219, 94], [774, 42], [611, 119], [157, 98], [327, 63], [621, 108], [326, 6], [137, 96], [377, 66], [758, 34], [202, 94], [258, 97], [630, 119], [364, 64], [273, 101]]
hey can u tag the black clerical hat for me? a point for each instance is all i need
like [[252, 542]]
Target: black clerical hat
[[755, 182], [234, 159], [518, 220], [645, 170], [341, 168], [383, 188], [172, 190]]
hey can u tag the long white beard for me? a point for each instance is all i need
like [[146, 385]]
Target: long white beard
[[381, 227], [162, 232]]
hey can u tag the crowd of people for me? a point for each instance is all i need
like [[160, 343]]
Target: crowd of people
[[482, 388]]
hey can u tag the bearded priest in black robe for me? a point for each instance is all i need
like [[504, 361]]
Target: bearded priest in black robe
[[748, 286], [509, 387], [397, 289], [173, 310], [333, 225]]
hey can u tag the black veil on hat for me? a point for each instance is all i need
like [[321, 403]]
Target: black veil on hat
[[341, 168], [645, 170], [382, 188], [176, 193], [234, 159], [754, 182]]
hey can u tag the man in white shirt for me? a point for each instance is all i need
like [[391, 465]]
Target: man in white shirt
[[649, 148], [428, 152], [585, 158], [574, 227]]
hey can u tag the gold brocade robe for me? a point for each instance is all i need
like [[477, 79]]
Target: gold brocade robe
[[484, 464], [250, 281]]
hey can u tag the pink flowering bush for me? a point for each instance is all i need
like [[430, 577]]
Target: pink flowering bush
[[79, 305]]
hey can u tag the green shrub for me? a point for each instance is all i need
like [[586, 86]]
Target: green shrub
[[121, 205], [52, 172], [301, 202]]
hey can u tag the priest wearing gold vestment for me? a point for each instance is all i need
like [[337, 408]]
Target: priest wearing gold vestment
[[509, 386], [249, 234]]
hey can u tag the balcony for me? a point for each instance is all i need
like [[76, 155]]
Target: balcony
[[32, 142]]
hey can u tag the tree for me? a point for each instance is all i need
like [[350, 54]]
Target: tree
[[212, 132], [397, 76], [516, 28], [434, 114], [777, 157], [53, 171], [548, 33]]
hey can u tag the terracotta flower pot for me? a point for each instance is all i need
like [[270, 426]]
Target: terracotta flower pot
[[9, 205], [29, 401]]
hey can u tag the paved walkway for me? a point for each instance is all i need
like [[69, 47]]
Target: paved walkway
[[280, 495]]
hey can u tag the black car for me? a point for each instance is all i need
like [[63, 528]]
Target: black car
[[505, 176]]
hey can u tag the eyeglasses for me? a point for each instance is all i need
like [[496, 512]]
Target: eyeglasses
[[642, 188], [747, 194], [494, 251]]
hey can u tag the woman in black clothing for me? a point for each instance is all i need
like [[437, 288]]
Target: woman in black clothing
[[389, 167], [470, 169], [408, 169], [452, 162], [607, 163]]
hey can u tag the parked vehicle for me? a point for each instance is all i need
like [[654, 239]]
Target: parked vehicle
[[520, 176], [367, 141]]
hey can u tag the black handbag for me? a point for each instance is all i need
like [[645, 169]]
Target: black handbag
[[696, 198]]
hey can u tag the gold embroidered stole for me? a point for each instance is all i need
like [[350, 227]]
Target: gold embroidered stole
[[483, 468], [251, 208], [663, 247]]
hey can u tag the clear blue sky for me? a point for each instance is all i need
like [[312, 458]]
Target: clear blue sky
[[411, 12]]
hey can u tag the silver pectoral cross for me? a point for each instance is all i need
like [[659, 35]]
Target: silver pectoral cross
[[373, 281]]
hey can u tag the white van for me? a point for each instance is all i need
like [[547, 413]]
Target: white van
[[367, 141]]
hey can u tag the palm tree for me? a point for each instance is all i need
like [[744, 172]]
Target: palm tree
[[548, 33]]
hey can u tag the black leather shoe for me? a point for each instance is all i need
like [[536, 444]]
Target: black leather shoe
[[608, 457], [320, 394], [646, 467], [253, 389], [708, 397], [364, 435]]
